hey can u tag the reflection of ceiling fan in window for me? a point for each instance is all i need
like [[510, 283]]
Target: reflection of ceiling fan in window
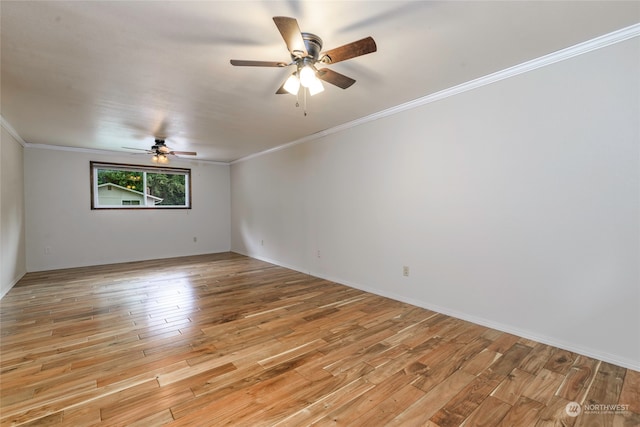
[[161, 152], [306, 54]]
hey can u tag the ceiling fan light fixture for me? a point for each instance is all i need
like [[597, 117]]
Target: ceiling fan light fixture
[[315, 87], [292, 85], [307, 76], [306, 52], [160, 158]]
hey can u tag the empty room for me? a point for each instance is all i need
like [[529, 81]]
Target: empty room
[[296, 213]]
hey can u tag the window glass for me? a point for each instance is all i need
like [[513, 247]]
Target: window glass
[[116, 186]]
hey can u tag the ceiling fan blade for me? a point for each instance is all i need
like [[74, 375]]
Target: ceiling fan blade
[[334, 78], [137, 149], [161, 130], [281, 91], [243, 63], [184, 153], [291, 34], [348, 51]]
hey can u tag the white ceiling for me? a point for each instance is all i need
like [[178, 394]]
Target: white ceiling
[[112, 74]]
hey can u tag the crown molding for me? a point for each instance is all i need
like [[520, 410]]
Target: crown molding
[[109, 152], [543, 61], [79, 150], [73, 149], [7, 126]]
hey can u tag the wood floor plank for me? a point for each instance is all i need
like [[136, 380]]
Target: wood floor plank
[[578, 379], [509, 360], [83, 415], [157, 419], [630, 394], [490, 412], [423, 408], [510, 390], [537, 359], [456, 410], [525, 412], [387, 409], [554, 414], [607, 385], [223, 339], [480, 361], [451, 361], [560, 361], [336, 398], [348, 413], [544, 386], [284, 399], [503, 343], [605, 390]]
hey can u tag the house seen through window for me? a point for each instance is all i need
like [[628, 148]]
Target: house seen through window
[[116, 186]]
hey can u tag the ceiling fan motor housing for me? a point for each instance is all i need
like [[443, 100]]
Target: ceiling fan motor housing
[[313, 44], [160, 146]]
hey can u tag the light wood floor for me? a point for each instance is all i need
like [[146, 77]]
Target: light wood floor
[[225, 339]]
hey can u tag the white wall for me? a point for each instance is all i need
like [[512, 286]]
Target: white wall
[[12, 230], [515, 205], [59, 215]]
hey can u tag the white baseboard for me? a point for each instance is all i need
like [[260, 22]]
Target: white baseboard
[[3, 292], [595, 354]]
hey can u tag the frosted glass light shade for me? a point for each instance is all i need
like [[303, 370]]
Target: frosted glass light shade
[[307, 76], [160, 158], [292, 85], [315, 87]]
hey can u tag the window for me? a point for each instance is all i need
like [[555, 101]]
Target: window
[[119, 186]]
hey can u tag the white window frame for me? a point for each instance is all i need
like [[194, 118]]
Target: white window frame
[[95, 166]]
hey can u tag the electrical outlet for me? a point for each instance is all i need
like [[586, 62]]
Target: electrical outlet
[[405, 271], [318, 254]]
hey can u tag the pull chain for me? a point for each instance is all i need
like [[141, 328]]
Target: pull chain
[[305, 101]]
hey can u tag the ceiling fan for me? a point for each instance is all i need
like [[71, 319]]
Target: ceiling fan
[[306, 54], [160, 151]]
